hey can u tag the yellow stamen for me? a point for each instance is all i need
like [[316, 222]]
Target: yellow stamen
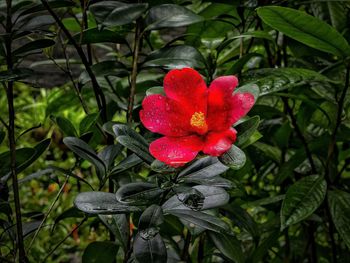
[[198, 120]]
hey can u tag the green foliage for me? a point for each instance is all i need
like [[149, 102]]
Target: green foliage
[[89, 189]]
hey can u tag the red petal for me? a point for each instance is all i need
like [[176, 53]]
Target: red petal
[[164, 116], [241, 105], [225, 108], [217, 143], [176, 151], [188, 87]]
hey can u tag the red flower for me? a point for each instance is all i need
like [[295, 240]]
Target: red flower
[[193, 117]]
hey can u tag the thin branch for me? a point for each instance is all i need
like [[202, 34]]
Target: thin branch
[[48, 213], [100, 98], [134, 70], [11, 135]]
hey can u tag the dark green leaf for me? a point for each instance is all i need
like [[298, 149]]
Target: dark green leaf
[[33, 46], [169, 15], [66, 126], [275, 80], [101, 203], [138, 193], [83, 150], [302, 199], [202, 220], [86, 123], [246, 129], [305, 28], [52, 4], [204, 168], [129, 162], [114, 13], [234, 158], [119, 226], [109, 153], [104, 69], [149, 247], [100, 251], [204, 197], [175, 57], [15, 74], [151, 217], [94, 35], [339, 206], [229, 246], [72, 212]]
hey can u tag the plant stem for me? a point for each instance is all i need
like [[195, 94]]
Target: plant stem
[[201, 243], [100, 98], [134, 70], [11, 135], [300, 134], [185, 254]]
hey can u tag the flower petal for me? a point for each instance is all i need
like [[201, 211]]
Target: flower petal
[[241, 105], [217, 143], [224, 107], [165, 116], [176, 151], [188, 87]]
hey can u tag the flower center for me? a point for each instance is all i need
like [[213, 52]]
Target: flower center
[[198, 121]]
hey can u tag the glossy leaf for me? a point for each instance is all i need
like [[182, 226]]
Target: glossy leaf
[[114, 13], [228, 246], [204, 168], [101, 203], [246, 129], [100, 251], [339, 206], [175, 57], [83, 150], [66, 126], [119, 226], [302, 199], [94, 35], [305, 28], [169, 15], [33, 46], [203, 220], [234, 158], [149, 247], [151, 217], [138, 193]]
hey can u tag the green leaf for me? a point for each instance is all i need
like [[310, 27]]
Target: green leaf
[[200, 197], [138, 193], [149, 247], [246, 129], [234, 158], [133, 141], [339, 206], [229, 246], [114, 13], [22, 156], [272, 152], [169, 15], [86, 123], [83, 150], [72, 212], [175, 57], [2, 136], [302, 199], [206, 167], [202, 220], [16, 74], [119, 226], [94, 35], [151, 217], [66, 126], [238, 66], [129, 162], [305, 29], [105, 68], [33, 46], [100, 251], [53, 4], [101, 203], [109, 153], [275, 80]]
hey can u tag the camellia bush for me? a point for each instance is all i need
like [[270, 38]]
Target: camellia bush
[[174, 131]]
